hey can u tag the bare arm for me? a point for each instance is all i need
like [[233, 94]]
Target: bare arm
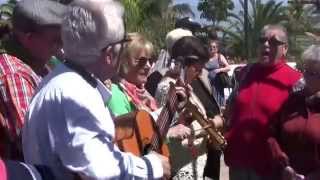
[[224, 63]]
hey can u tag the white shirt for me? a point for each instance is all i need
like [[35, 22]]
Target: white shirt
[[69, 129]]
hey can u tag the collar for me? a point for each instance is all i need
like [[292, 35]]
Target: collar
[[90, 79], [104, 91], [140, 97], [269, 69]]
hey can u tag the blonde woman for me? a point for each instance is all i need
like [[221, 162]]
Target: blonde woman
[[128, 91]]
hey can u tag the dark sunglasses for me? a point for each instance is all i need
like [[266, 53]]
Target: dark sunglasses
[[142, 61], [272, 41], [213, 47]]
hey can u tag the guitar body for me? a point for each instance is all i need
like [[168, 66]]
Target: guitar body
[[134, 133]]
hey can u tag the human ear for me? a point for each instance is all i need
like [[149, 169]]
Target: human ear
[[285, 49], [108, 56]]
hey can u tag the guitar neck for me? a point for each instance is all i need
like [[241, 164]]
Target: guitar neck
[[165, 117]]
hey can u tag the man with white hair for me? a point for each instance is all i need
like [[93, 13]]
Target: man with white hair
[[263, 89], [68, 127]]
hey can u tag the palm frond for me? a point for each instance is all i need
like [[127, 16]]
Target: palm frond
[[183, 9]]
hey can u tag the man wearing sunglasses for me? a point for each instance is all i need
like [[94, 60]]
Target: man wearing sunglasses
[[264, 87], [68, 128]]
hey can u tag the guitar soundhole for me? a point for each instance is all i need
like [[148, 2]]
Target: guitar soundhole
[[146, 149], [146, 145]]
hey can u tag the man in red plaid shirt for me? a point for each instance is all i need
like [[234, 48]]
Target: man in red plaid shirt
[[34, 39]]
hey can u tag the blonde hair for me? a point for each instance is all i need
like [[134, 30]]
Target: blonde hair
[[133, 48], [136, 44]]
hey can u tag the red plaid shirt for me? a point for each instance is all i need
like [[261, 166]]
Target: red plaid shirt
[[17, 85]]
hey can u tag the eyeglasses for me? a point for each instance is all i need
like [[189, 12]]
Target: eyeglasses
[[212, 47], [311, 74], [272, 41], [120, 42]]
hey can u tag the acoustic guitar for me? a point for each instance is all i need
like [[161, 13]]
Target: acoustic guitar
[[139, 134]]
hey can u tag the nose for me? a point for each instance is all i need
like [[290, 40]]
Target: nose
[[147, 66], [266, 43]]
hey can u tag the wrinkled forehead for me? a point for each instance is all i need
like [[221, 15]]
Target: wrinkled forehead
[[278, 33], [213, 43]]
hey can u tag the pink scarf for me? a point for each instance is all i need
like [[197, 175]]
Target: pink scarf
[[139, 97]]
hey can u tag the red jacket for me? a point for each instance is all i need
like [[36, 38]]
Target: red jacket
[[297, 133], [260, 97]]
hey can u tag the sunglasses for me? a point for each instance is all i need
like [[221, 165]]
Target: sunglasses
[[142, 61], [272, 41]]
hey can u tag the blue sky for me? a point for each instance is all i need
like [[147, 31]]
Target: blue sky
[[194, 3]]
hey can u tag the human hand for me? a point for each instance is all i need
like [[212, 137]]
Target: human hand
[[165, 165], [290, 174], [183, 94], [179, 131], [279, 157], [217, 121]]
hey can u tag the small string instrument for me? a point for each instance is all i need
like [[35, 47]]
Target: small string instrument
[[198, 113], [216, 139], [138, 133]]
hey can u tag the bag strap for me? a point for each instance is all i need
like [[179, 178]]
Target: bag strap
[[219, 60]]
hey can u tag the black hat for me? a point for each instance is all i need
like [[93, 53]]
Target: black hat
[[188, 23], [39, 12]]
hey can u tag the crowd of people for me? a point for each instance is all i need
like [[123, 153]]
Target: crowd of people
[[82, 98]]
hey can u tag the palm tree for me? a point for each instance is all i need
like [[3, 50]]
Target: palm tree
[[6, 11], [260, 14], [215, 11], [302, 18], [153, 18]]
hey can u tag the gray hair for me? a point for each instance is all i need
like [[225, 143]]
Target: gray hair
[[312, 53], [278, 27], [89, 27]]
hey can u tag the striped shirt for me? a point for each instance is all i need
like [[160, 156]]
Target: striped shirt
[[17, 85]]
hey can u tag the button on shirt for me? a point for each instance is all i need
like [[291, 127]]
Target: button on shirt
[[69, 129]]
